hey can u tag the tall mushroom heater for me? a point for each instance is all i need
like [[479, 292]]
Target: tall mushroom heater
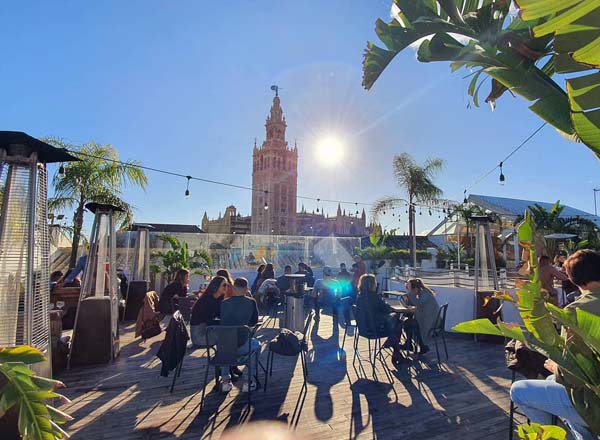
[[140, 277], [486, 276], [24, 244], [95, 334]]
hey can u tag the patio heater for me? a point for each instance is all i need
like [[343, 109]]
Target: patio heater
[[486, 276], [95, 333], [294, 303], [140, 277], [24, 243]]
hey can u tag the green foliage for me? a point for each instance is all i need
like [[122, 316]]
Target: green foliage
[[519, 54], [535, 431], [96, 177], [579, 360], [397, 256], [178, 257], [38, 420], [416, 181]]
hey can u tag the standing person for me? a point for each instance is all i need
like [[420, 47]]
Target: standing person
[[344, 279], [255, 283], [359, 271], [343, 274], [547, 274], [325, 292], [225, 274], [178, 287], [283, 282], [426, 311], [562, 394], [307, 271], [241, 309], [207, 309], [384, 318]]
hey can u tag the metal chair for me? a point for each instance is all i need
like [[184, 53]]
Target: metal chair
[[346, 306], [367, 328], [301, 353], [439, 330], [226, 353]]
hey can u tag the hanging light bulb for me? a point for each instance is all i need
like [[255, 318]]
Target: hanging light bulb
[[501, 180], [187, 188], [266, 204], [383, 212], [61, 171], [465, 201]]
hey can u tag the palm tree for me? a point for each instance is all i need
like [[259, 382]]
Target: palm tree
[[97, 177], [417, 182]]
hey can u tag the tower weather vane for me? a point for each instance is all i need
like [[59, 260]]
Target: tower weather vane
[[276, 89]]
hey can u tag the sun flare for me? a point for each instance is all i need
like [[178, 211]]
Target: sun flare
[[330, 151]]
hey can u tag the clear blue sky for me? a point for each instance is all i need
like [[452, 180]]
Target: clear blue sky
[[185, 86]]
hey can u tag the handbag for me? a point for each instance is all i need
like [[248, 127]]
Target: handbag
[[151, 328]]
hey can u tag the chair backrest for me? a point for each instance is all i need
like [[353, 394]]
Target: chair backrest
[[440, 320], [364, 322], [226, 337]]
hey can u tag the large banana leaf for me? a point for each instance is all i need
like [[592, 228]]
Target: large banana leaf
[[561, 35], [38, 420]]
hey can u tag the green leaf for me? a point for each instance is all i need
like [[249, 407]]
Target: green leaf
[[570, 15], [481, 326], [22, 353]]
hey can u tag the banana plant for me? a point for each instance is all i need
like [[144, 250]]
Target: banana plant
[[38, 419], [520, 53], [580, 359], [178, 257]]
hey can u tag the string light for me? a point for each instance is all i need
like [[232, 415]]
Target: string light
[[501, 180], [465, 201], [266, 204], [61, 171], [187, 188]]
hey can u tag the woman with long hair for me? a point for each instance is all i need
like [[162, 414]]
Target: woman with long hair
[[426, 310], [382, 314], [207, 309], [177, 287], [225, 274], [255, 283]]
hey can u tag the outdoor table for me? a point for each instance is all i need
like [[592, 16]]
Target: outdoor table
[[397, 293], [403, 309]]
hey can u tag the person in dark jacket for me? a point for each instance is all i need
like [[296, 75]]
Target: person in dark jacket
[[172, 349], [257, 280], [178, 287], [207, 310], [383, 316], [309, 277], [238, 310]]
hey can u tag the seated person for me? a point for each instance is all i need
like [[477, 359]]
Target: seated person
[[178, 287], [55, 278], [283, 282], [426, 310], [325, 292], [561, 393], [384, 318], [207, 310], [268, 283], [241, 309]]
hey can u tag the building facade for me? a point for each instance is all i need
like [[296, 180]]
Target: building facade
[[274, 179], [342, 225], [231, 223]]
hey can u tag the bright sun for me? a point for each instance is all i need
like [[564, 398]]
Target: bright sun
[[330, 151]]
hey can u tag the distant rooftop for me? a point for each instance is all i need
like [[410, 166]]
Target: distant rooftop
[[516, 207], [169, 228]]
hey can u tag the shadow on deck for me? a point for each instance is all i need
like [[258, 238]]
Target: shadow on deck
[[466, 398]]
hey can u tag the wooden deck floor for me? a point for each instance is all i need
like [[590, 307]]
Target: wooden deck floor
[[467, 398]]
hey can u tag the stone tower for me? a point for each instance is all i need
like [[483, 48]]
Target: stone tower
[[274, 178]]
